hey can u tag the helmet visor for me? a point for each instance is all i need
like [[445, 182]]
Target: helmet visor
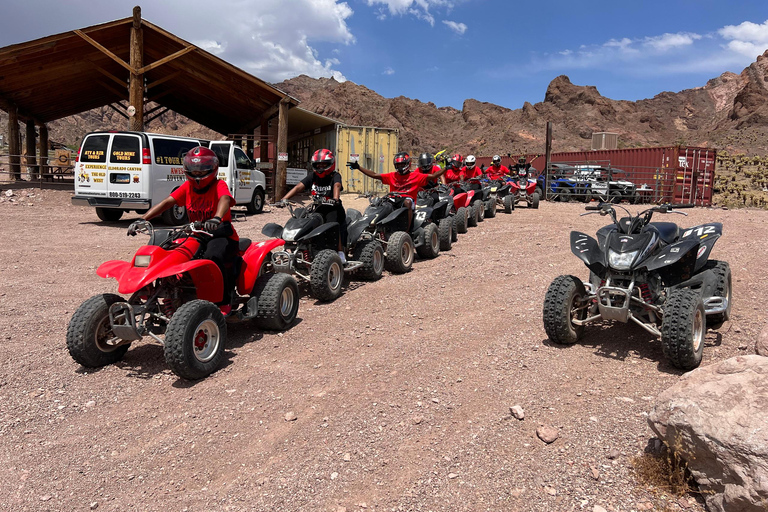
[[321, 167]]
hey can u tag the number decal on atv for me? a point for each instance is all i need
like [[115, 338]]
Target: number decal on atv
[[701, 231], [421, 215]]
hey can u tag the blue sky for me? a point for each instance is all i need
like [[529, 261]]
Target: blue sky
[[445, 51]]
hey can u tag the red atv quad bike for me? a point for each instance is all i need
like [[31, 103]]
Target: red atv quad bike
[[464, 199], [172, 295], [523, 189]]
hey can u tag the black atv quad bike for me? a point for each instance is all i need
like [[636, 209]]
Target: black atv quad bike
[[310, 251], [441, 214], [651, 273]]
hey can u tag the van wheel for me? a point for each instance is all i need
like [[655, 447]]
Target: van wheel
[[257, 202], [175, 216], [109, 214]]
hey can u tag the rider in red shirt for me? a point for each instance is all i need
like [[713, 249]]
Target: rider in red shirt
[[452, 172], [403, 181], [207, 200], [470, 169], [496, 171]]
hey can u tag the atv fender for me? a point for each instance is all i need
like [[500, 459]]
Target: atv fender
[[272, 230], [355, 228], [587, 250], [253, 259], [671, 254], [320, 230], [395, 221], [707, 235], [352, 215]]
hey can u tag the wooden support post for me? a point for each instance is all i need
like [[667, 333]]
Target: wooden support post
[[31, 159], [14, 143], [136, 86], [282, 148], [249, 145], [43, 150], [547, 156], [264, 157]]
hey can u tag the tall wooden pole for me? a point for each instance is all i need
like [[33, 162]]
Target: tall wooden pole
[[282, 148], [43, 150], [32, 151], [547, 156], [136, 86], [14, 143]]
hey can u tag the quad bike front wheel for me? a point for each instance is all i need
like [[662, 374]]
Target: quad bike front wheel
[[195, 340], [326, 275], [278, 301], [535, 201], [445, 233], [462, 219], [90, 339], [431, 247], [399, 253], [565, 302], [490, 212], [371, 254], [454, 230], [480, 209], [683, 328], [509, 204]]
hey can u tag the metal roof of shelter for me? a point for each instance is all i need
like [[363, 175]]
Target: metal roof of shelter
[[72, 72]]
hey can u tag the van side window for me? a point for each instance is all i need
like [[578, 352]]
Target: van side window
[[125, 150], [94, 149], [171, 152], [241, 159], [222, 153]]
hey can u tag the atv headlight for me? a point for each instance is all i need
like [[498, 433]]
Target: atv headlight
[[142, 260], [621, 260], [289, 235]]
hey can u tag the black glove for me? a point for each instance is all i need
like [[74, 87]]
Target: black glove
[[353, 165], [279, 204], [135, 226], [212, 225]]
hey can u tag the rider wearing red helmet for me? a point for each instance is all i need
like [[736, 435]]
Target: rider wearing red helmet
[[207, 199], [325, 182], [452, 172], [403, 180], [496, 171]]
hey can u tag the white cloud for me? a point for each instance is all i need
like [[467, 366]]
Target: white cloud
[[459, 28], [667, 41], [748, 39], [418, 8], [388, 71]]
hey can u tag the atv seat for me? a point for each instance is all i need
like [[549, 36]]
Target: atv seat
[[244, 244], [352, 215], [668, 231]]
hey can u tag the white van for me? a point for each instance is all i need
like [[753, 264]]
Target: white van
[[123, 171]]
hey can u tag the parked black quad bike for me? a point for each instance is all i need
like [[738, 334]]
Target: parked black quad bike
[[504, 195], [310, 250], [486, 197], [442, 214], [652, 273]]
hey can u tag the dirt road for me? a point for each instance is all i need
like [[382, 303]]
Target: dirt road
[[401, 388]]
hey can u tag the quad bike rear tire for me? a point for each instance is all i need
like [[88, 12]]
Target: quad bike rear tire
[[88, 332], [683, 328], [431, 247], [562, 304], [454, 230], [724, 289], [535, 201], [539, 191], [472, 218], [490, 212], [462, 219], [277, 295], [195, 340], [480, 209], [399, 253], [371, 254], [109, 214], [445, 233], [509, 204], [256, 204], [326, 275]]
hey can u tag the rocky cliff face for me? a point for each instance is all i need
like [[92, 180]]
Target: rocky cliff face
[[729, 113]]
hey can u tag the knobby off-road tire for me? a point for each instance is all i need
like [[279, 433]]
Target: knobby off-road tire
[[490, 212], [480, 209], [509, 203], [399, 253], [539, 191], [535, 201], [109, 214], [88, 331], [445, 233], [564, 295], [256, 204], [683, 328], [195, 340], [454, 230], [724, 289], [278, 301], [462, 219], [371, 254], [431, 247], [326, 275]]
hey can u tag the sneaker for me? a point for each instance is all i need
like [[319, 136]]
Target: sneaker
[[343, 257]]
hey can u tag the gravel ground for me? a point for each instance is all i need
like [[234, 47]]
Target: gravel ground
[[401, 389]]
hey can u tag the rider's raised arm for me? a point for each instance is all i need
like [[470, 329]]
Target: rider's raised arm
[[159, 208], [367, 172], [437, 174]]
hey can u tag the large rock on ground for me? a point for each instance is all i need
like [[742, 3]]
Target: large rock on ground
[[716, 418]]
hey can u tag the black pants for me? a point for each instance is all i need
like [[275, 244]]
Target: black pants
[[336, 214], [224, 253]]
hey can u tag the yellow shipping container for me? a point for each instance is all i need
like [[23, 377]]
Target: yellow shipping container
[[374, 148]]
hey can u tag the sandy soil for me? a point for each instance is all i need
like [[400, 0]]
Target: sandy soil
[[401, 388]]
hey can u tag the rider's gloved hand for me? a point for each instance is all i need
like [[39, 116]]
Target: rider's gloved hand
[[279, 204], [134, 227], [212, 225], [353, 165]]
